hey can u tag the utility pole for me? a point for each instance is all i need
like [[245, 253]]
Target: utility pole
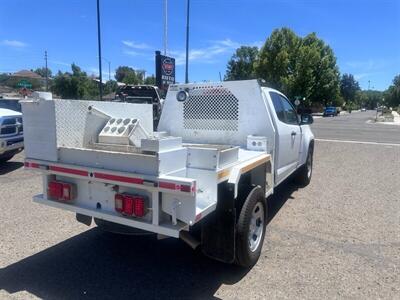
[[220, 77], [109, 70], [99, 45], [165, 27], [47, 72], [369, 83], [187, 42]]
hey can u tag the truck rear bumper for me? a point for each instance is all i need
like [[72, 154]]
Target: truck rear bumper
[[164, 229]]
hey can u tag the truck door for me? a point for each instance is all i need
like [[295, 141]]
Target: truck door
[[288, 137]]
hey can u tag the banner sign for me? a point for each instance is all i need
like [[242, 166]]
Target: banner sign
[[165, 70]]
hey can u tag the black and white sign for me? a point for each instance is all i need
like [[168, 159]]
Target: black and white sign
[[165, 70]]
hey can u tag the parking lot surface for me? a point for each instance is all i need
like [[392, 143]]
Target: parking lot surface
[[337, 238]]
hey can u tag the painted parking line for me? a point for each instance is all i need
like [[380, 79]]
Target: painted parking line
[[357, 142]]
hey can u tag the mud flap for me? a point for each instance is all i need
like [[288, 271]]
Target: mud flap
[[87, 220], [219, 229]]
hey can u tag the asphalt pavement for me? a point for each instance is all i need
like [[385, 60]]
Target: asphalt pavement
[[339, 237], [357, 126]]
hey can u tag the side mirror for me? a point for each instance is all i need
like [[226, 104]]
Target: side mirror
[[306, 119]]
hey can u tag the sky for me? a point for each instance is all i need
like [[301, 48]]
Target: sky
[[364, 34]]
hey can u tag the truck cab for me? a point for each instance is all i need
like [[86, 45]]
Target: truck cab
[[11, 134], [204, 176], [142, 94]]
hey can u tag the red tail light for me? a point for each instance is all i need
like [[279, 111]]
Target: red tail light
[[55, 190], [119, 203], [130, 205], [61, 190], [139, 207]]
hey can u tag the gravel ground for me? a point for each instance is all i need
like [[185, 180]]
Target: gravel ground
[[337, 238]]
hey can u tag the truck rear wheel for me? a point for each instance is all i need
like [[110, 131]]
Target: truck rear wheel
[[251, 228]]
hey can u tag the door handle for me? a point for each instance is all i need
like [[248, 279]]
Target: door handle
[[294, 133]]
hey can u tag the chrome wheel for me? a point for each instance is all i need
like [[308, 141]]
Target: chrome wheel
[[256, 227]]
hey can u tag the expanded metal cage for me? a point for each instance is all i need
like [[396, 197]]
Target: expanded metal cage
[[211, 108]]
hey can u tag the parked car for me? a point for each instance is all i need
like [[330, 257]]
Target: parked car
[[330, 111], [363, 109], [11, 134]]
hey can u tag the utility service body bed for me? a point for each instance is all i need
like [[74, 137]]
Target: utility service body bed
[[99, 151]]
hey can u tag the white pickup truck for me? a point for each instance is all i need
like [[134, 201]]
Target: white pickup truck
[[11, 134], [204, 176]]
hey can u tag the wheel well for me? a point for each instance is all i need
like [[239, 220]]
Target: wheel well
[[311, 145]]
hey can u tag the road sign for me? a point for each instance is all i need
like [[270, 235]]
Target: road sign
[[24, 84], [297, 102]]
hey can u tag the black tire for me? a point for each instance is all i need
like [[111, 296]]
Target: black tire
[[245, 255], [304, 174], [4, 159]]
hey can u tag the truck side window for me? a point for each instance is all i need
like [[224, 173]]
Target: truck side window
[[276, 100], [290, 112]]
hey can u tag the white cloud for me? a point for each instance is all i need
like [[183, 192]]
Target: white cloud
[[94, 71], [360, 76], [14, 43], [131, 53], [135, 45], [211, 53], [61, 63], [370, 64]]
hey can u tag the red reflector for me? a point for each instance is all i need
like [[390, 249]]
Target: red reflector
[[119, 203], [139, 207], [167, 185], [186, 188], [177, 187]]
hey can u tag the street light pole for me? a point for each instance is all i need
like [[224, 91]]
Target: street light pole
[[109, 70], [99, 46], [187, 42], [109, 67], [165, 26], [47, 72]]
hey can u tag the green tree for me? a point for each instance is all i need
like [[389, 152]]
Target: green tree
[[111, 86], [42, 72], [127, 75], [349, 88], [241, 65], [4, 77], [150, 80], [75, 85], [300, 67], [12, 82], [392, 94]]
